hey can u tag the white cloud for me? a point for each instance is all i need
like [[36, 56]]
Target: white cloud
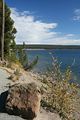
[[69, 35], [76, 15], [32, 31]]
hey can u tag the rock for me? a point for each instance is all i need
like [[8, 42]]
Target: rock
[[13, 77], [23, 100], [46, 115]]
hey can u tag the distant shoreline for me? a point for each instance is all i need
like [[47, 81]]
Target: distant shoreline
[[40, 46]]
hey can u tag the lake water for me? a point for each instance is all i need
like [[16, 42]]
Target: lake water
[[67, 57]]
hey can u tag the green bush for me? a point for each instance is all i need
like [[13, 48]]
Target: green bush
[[23, 58]]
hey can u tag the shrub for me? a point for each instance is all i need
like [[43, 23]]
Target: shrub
[[12, 61], [61, 94], [23, 58]]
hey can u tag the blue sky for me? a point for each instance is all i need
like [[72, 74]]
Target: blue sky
[[46, 21]]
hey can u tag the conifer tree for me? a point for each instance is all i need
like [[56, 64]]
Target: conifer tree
[[9, 32]]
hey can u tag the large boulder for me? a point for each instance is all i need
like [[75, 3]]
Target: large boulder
[[23, 100]]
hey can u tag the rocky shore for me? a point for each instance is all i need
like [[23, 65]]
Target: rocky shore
[[26, 79]]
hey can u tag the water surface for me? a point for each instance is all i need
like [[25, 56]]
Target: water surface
[[67, 57]]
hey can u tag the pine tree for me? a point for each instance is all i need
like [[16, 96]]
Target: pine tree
[[10, 31]]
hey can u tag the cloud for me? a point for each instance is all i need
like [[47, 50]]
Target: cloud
[[33, 31], [76, 15], [69, 35]]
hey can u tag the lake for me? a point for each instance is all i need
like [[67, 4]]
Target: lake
[[66, 57]]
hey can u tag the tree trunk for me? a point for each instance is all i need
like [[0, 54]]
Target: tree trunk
[[3, 28]]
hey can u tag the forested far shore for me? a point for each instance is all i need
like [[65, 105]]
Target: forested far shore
[[41, 46]]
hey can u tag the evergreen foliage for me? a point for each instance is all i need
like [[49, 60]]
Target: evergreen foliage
[[10, 31], [23, 58]]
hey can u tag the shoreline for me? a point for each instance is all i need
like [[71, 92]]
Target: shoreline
[[43, 114]]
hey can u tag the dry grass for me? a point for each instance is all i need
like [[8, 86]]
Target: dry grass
[[60, 94]]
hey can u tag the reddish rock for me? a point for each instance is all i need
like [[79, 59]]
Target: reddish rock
[[23, 100]]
